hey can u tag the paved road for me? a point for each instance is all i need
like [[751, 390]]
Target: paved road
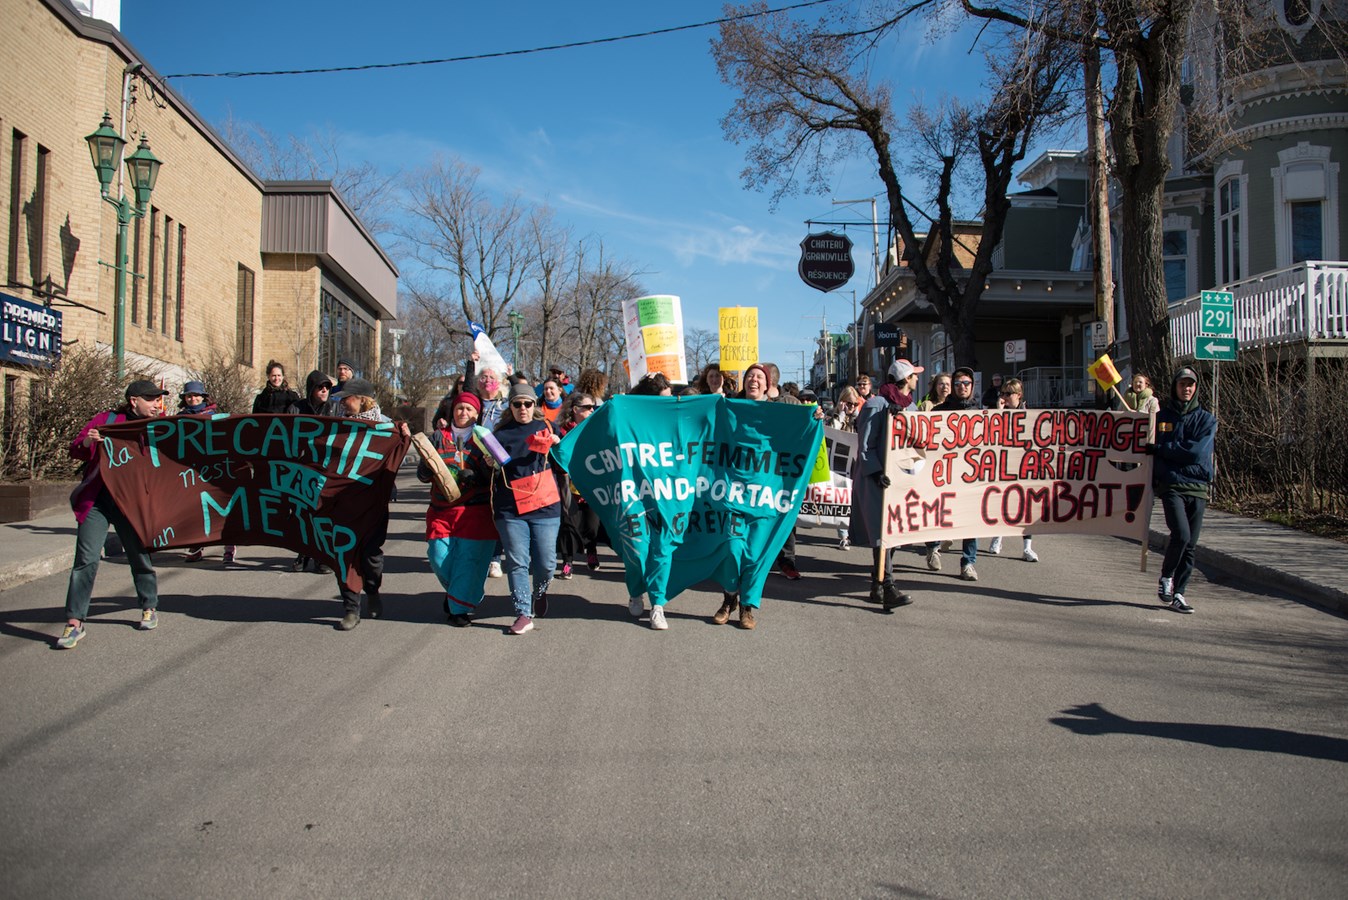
[[1046, 732]]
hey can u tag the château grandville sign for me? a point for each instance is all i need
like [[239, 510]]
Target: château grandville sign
[[826, 260]]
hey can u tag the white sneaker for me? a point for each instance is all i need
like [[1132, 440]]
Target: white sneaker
[[1029, 555], [934, 559], [967, 573], [1178, 604], [844, 544], [636, 605], [658, 618], [494, 570], [995, 548]]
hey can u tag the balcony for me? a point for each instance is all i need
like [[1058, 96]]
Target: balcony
[[1304, 304]]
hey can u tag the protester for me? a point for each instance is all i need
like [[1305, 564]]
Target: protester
[[358, 403], [493, 393], [318, 400], [863, 387], [550, 400], [195, 401], [654, 384], [711, 381], [345, 372], [757, 384], [558, 375], [1012, 396], [594, 383], [579, 529], [526, 506], [460, 535], [869, 481], [937, 393], [775, 392], [844, 418], [1185, 436], [1140, 397], [994, 391], [96, 512], [276, 395], [961, 399]]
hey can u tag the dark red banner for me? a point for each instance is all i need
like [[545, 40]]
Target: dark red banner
[[314, 485]]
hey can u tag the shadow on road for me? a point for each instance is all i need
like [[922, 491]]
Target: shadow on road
[[1092, 718]]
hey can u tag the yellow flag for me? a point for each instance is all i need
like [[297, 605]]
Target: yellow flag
[[1104, 373]]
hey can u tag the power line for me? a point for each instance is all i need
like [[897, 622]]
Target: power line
[[501, 53]]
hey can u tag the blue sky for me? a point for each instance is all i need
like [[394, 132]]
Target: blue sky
[[622, 140]]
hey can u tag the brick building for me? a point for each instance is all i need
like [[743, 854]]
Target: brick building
[[225, 264]]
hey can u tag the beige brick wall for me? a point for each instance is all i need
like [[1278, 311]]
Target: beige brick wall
[[54, 87], [288, 317]]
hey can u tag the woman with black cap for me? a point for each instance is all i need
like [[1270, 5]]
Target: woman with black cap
[[96, 512]]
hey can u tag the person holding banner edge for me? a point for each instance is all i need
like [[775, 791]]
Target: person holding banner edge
[[96, 512], [961, 399], [1182, 475], [869, 480]]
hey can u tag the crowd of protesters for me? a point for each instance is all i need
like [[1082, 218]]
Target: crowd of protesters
[[521, 518]]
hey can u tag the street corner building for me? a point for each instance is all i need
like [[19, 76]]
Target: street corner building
[[218, 262]]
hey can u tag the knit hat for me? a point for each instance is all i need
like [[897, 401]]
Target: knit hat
[[522, 391], [760, 367], [469, 398]]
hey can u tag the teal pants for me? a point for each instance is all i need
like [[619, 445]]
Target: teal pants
[[93, 531]]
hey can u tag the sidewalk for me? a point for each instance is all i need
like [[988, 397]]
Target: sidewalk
[[1308, 568]]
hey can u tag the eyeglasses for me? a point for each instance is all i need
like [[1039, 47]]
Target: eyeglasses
[[323, 387], [1010, 393], [964, 381], [524, 404], [584, 406]]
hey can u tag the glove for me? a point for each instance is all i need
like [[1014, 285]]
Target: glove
[[881, 479], [542, 441]]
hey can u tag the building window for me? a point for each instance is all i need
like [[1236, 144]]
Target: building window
[[18, 147], [343, 334], [180, 284], [37, 223], [135, 273], [1306, 205], [166, 280], [1175, 250], [243, 335], [149, 275], [1229, 266]]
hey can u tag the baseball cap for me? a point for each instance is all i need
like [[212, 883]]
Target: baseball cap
[[144, 388], [901, 369]]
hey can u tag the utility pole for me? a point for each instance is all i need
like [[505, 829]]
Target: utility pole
[[875, 235], [1097, 202]]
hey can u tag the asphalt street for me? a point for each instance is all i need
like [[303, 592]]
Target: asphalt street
[[1048, 731]]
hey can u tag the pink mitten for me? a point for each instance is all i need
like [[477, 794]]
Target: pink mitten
[[542, 441]]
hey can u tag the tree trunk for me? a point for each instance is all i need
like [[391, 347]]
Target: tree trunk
[[1144, 282]]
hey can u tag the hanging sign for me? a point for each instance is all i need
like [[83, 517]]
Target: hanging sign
[[826, 260], [888, 334]]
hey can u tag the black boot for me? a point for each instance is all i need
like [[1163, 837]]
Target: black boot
[[893, 597], [877, 593]]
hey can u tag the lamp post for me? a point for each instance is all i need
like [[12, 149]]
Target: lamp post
[[105, 149], [515, 318]]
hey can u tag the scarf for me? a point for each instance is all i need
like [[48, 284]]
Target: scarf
[[1135, 400]]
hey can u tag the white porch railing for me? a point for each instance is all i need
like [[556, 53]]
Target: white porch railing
[[1303, 303], [1055, 387]]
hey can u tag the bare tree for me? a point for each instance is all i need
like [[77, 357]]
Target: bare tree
[[596, 326], [425, 355], [480, 251], [701, 346], [805, 99], [317, 157], [554, 274]]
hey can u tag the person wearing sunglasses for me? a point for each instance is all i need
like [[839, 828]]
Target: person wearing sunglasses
[[962, 399], [844, 418], [580, 528], [526, 506]]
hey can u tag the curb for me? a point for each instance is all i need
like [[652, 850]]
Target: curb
[[16, 574], [1301, 589]]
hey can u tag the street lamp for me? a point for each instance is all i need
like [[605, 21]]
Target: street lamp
[[105, 149], [515, 318]]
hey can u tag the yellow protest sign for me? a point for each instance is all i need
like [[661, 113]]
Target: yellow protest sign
[[739, 337]]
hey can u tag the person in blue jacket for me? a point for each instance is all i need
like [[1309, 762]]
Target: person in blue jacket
[[1182, 477]]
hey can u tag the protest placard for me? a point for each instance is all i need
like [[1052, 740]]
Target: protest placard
[[654, 329], [739, 338]]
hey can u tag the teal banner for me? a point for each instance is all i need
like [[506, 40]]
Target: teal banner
[[694, 488]]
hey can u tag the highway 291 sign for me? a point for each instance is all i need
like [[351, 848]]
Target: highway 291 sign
[[826, 260]]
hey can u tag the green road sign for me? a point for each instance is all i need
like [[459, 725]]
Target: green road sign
[[1217, 314], [1217, 348]]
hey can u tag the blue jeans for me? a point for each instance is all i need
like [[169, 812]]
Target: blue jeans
[[968, 550], [88, 545], [1184, 518], [530, 548]]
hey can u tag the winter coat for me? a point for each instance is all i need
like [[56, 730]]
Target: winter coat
[[274, 400], [866, 525], [469, 517], [1185, 437], [514, 437], [91, 484]]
